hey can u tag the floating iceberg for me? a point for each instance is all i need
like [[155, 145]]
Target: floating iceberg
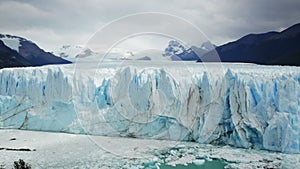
[[243, 105]]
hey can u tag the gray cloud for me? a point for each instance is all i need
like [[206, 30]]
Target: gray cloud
[[57, 22]]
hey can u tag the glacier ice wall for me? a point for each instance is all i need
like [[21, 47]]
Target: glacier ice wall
[[249, 109]]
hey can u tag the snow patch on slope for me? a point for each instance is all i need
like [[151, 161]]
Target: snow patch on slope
[[11, 42]]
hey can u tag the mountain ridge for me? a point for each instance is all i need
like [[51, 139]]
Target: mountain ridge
[[17, 51], [271, 48]]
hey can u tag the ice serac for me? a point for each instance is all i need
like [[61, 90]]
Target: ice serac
[[241, 107]]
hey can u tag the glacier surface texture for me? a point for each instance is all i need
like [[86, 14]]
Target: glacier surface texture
[[241, 105]]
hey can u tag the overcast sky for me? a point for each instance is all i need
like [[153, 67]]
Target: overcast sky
[[53, 23]]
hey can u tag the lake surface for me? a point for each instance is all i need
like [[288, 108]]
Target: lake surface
[[214, 164]]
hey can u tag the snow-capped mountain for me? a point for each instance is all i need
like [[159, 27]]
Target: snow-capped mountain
[[175, 51], [151, 54], [146, 55], [178, 51], [70, 52], [17, 51]]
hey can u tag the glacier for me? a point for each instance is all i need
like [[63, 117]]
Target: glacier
[[241, 105]]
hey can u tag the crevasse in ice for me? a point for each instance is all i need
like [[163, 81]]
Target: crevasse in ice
[[250, 109]]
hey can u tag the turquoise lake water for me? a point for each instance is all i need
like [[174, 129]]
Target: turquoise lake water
[[214, 164]]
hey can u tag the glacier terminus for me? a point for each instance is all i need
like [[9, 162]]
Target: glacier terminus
[[242, 105]]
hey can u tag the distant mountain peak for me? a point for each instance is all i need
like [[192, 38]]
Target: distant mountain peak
[[178, 51], [71, 52], [174, 48], [144, 58]]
